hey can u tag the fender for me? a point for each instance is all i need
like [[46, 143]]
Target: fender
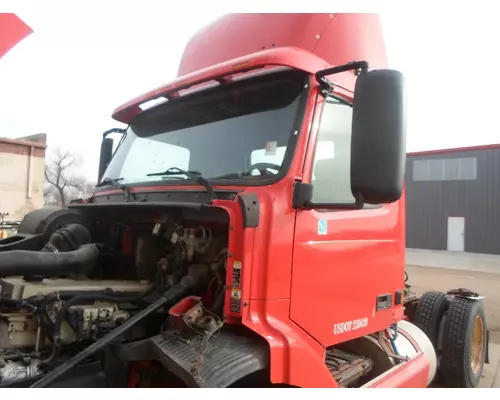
[[228, 358]]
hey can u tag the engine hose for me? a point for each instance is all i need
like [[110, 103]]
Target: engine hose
[[196, 278], [9, 302], [102, 296], [219, 302], [49, 264], [68, 294]]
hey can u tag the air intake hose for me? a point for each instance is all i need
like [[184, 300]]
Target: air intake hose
[[67, 251]]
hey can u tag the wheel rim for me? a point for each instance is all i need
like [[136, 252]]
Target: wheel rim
[[477, 345]]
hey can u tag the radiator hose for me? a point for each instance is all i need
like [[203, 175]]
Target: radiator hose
[[196, 278], [39, 263], [67, 251]]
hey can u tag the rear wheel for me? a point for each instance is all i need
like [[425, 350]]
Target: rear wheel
[[464, 343], [429, 313]]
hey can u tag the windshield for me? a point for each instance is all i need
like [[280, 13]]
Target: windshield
[[220, 133]]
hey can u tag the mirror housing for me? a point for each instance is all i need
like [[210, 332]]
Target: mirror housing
[[105, 157], [107, 150], [378, 142]]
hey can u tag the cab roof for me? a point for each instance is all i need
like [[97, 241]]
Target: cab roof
[[237, 43]]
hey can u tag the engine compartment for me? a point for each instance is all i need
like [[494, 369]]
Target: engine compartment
[[136, 295], [71, 276]]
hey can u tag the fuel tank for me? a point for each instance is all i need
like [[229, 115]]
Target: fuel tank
[[408, 341], [336, 38]]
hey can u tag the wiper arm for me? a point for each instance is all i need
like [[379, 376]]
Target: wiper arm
[[115, 183], [194, 175], [110, 182]]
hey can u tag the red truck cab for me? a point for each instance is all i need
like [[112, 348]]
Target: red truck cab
[[255, 207], [251, 114]]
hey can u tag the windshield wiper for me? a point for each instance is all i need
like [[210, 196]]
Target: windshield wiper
[[115, 183], [194, 175], [110, 182]]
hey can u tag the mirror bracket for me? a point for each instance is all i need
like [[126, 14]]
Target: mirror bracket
[[302, 195], [113, 130], [359, 68]]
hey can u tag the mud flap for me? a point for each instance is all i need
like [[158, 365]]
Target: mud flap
[[227, 358]]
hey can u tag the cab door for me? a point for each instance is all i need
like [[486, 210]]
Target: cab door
[[347, 265]]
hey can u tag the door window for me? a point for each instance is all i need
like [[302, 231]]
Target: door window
[[331, 175]]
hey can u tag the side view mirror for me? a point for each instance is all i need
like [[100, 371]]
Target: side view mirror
[[107, 150], [105, 157], [378, 138], [378, 142]]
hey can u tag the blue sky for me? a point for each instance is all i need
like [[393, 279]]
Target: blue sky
[[68, 76]]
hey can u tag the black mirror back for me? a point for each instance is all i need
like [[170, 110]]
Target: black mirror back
[[105, 157], [378, 147], [301, 194]]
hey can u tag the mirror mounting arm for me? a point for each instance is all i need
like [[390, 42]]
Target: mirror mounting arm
[[327, 87], [113, 130], [302, 199], [358, 205], [359, 68]]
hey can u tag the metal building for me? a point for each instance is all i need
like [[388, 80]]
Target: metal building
[[453, 200]]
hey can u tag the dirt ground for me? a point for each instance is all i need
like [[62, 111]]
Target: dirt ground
[[423, 279]]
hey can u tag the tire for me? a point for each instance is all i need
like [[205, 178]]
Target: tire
[[430, 310], [464, 343]]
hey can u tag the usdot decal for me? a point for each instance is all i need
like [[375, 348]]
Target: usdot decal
[[322, 227], [349, 326]]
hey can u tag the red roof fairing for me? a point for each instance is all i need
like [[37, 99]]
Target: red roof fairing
[[12, 31], [335, 38], [309, 42]]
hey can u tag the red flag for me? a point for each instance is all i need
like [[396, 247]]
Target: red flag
[[12, 31]]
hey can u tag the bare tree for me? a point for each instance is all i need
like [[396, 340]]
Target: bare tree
[[62, 183], [83, 192]]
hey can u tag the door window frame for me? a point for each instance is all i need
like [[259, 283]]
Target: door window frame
[[310, 156]]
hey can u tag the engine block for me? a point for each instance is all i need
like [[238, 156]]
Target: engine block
[[20, 329]]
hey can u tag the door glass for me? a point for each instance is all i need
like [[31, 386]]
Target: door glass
[[331, 174]]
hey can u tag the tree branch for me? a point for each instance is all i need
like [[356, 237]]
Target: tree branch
[[59, 174]]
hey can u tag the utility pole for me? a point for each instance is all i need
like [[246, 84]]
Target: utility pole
[[3, 215]]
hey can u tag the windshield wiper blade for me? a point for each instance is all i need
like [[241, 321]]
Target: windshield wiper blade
[[115, 183], [194, 175]]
